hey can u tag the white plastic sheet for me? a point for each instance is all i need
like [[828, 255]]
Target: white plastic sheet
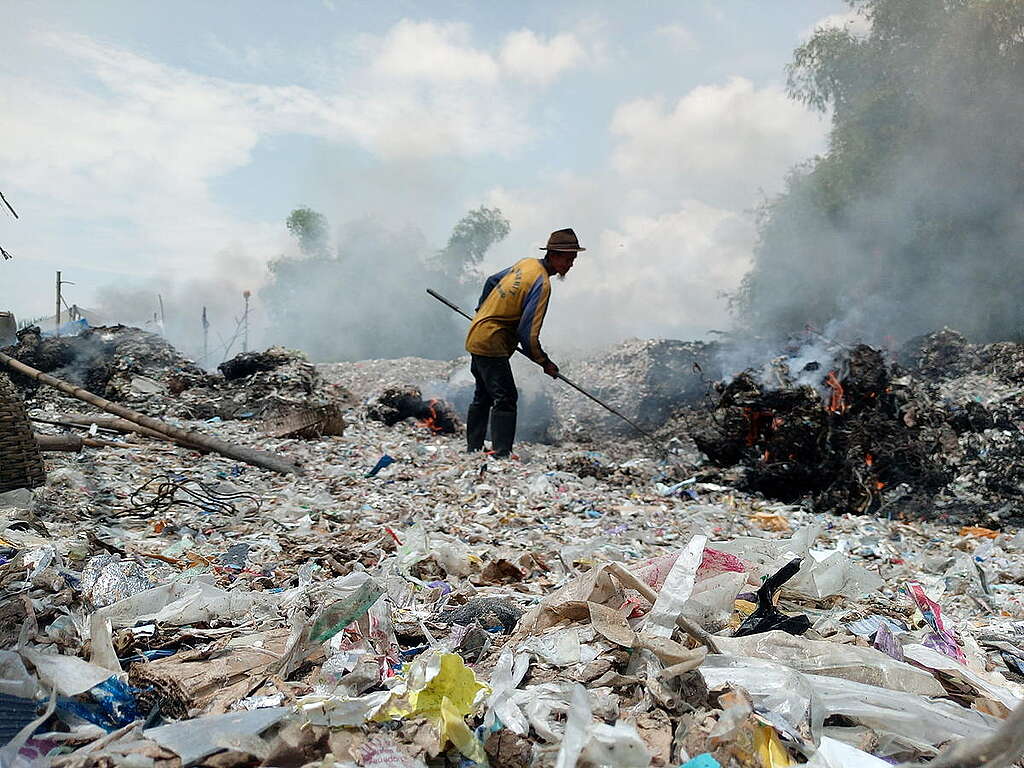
[[904, 720], [678, 587], [836, 754], [932, 659], [192, 740], [508, 674], [821, 657], [70, 675]]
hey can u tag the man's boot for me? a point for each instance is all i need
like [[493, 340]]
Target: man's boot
[[503, 432], [476, 427]]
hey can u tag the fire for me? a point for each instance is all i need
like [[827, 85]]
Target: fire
[[879, 485], [836, 401], [869, 459], [756, 421], [431, 421]]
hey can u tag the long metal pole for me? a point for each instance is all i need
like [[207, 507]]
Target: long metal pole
[[571, 383]]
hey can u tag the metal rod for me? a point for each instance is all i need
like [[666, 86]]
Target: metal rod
[[571, 383]]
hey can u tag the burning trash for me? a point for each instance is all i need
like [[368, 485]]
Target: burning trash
[[396, 404]]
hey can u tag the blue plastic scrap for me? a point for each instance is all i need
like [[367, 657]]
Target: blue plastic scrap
[[112, 705], [702, 761], [383, 461]]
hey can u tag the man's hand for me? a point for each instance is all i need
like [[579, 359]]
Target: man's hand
[[551, 369]]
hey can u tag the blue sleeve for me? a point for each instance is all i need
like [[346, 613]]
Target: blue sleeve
[[492, 281], [534, 309]]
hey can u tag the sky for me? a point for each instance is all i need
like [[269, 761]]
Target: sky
[[155, 147]]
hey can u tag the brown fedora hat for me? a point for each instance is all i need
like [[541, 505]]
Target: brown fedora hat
[[563, 240]]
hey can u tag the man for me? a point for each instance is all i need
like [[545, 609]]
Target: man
[[510, 314]]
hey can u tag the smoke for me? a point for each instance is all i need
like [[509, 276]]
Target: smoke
[[231, 272], [914, 219], [367, 299]]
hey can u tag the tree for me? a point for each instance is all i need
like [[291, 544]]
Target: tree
[[310, 229], [911, 220], [471, 238]]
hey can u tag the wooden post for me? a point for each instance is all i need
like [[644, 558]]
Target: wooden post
[[206, 339], [56, 328], [245, 323]]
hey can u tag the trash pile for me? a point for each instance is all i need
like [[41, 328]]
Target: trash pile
[[401, 603], [937, 434], [144, 371]]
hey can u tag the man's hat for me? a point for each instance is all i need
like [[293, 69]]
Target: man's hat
[[563, 240]]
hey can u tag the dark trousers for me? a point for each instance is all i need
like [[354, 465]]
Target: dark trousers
[[494, 399]]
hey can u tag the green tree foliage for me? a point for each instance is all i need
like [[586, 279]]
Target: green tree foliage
[[471, 238], [368, 299], [913, 218], [310, 229]]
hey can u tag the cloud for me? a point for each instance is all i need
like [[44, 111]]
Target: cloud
[[643, 274], [853, 21], [528, 57], [433, 52], [718, 143], [669, 223], [678, 37]]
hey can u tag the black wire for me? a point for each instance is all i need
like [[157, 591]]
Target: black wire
[[175, 491]]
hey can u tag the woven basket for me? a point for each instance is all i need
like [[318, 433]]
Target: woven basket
[[21, 466]]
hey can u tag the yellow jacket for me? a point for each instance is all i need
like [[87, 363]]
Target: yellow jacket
[[511, 312]]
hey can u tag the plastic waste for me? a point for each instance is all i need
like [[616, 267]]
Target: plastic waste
[[382, 462], [19, 498], [823, 573], [939, 662], [110, 705], [440, 687], [194, 739], [941, 638], [821, 657], [501, 710], [835, 754], [766, 616], [363, 592], [904, 721], [599, 744], [180, 604], [704, 760], [69, 675], [107, 579], [678, 587]]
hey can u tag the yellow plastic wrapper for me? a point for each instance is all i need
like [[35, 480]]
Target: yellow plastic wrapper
[[769, 749], [443, 689]]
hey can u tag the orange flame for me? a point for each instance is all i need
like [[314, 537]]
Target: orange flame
[[879, 485], [836, 402], [430, 422], [869, 459]]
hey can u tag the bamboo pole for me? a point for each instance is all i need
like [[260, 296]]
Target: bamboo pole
[[115, 424], [252, 456]]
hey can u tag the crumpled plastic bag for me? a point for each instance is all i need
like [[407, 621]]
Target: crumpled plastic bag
[[599, 744], [822, 573], [107, 579]]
